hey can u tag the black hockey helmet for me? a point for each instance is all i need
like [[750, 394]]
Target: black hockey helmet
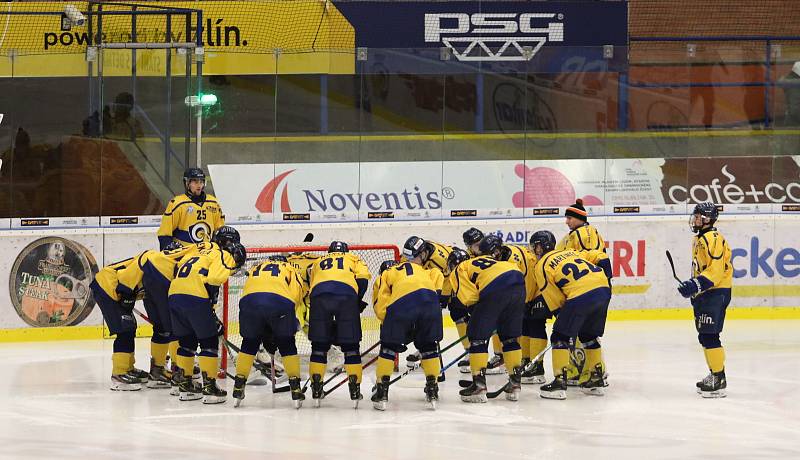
[[338, 246], [414, 247], [456, 257], [193, 174], [709, 213], [490, 244], [385, 265], [278, 258], [226, 234], [472, 236], [545, 239]]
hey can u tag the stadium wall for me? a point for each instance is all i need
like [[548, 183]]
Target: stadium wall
[[766, 259]]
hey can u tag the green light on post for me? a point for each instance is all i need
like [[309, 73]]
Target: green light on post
[[208, 99]]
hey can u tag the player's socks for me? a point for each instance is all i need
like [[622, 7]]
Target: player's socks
[[355, 370], [120, 363], [158, 352], [461, 327], [384, 368], [497, 346], [432, 367], [316, 368], [477, 362], [715, 358], [512, 360], [536, 346], [244, 363], [524, 343], [291, 364], [173, 351]]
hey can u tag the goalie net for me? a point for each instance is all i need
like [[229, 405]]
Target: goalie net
[[372, 255]]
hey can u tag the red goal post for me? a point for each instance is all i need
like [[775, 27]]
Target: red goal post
[[372, 254]]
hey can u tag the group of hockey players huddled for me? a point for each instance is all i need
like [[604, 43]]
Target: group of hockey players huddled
[[496, 294]]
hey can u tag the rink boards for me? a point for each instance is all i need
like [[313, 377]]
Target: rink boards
[[48, 268]]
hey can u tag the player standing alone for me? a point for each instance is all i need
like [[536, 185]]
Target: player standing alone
[[710, 291], [193, 216]]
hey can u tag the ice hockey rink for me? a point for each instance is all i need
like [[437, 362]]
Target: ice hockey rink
[[56, 404]]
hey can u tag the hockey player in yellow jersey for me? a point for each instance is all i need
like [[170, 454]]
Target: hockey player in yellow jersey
[[339, 281], [408, 307], [710, 291], [191, 217], [116, 304], [158, 270], [472, 239], [582, 238], [577, 291], [131, 279], [192, 295], [302, 262], [494, 292], [273, 293], [436, 258]]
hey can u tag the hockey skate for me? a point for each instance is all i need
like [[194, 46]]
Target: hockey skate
[[533, 372], [355, 390], [212, 394], [317, 393], [713, 386], [463, 366], [188, 389], [431, 391], [412, 360], [297, 392], [475, 393], [496, 365], [594, 386], [514, 385], [140, 375], [380, 394], [238, 389], [125, 382], [159, 377], [557, 389]]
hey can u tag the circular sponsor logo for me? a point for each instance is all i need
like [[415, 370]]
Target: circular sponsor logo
[[49, 282]]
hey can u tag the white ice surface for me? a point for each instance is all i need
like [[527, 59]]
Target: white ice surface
[[56, 404]]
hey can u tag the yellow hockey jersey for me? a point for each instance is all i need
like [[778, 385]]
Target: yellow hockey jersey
[[437, 260], [337, 272], [165, 262], [272, 281], [524, 259], [406, 284], [563, 275], [113, 278], [583, 238], [211, 266], [189, 222], [481, 275], [711, 259]]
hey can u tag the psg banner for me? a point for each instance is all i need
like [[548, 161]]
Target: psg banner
[[488, 31]]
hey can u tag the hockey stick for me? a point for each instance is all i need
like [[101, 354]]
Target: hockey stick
[[256, 381], [412, 369], [494, 394], [369, 363], [339, 371], [672, 265]]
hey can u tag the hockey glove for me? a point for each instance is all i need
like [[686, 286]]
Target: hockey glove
[[213, 293], [689, 288], [444, 301], [220, 327]]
